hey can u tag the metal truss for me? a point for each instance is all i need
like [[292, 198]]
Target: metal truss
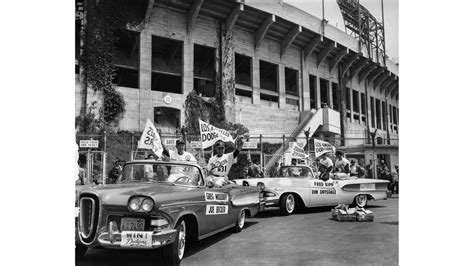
[[364, 26]]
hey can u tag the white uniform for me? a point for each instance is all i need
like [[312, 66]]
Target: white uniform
[[186, 156], [341, 164], [179, 171], [220, 166], [326, 162]]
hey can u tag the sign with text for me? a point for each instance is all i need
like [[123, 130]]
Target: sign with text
[[90, 143], [170, 144], [195, 144], [250, 145], [321, 147], [210, 134]]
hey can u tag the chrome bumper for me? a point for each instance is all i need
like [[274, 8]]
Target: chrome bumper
[[158, 239], [272, 201]]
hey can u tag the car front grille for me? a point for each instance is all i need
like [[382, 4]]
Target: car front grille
[[88, 217]]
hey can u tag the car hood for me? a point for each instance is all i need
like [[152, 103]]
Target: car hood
[[118, 194]]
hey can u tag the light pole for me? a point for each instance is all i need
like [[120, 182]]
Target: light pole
[[372, 135]]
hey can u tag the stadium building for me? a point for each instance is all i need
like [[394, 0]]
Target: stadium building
[[284, 70]]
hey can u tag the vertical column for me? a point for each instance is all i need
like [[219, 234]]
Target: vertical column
[[378, 111], [255, 80], [281, 86], [351, 103], [360, 107], [145, 104], [188, 70], [318, 92], [387, 121], [368, 117], [330, 103], [304, 98]]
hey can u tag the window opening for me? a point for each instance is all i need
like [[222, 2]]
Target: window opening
[[204, 70], [243, 67], [126, 59], [324, 84], [167, 65]]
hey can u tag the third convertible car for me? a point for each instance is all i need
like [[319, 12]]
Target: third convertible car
[[298, 185]]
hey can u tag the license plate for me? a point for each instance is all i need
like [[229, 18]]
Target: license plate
[[132, 224], [367, 186], [136, 239]]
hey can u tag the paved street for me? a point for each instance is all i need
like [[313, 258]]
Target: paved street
[[308, 237]]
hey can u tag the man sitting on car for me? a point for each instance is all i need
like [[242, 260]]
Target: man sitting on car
[[342, 165], [179, 155], [325, 166], [219, 165]]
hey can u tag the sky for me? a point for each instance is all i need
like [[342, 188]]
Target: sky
[[334, 16]]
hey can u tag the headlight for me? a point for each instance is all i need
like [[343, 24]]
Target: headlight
[[147, 205], [135, 203], [261, 186]]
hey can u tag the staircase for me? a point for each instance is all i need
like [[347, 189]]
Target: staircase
[[313, 119]]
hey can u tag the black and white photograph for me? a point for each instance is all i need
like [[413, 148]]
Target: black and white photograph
[[236, 132], [263, 128]]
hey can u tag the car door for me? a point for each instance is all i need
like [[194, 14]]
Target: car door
[[217, 213], [323, 193]]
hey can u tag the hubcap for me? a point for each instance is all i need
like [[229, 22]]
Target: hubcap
[[181, 239], [290, 203], [361, 200], [241, 220]]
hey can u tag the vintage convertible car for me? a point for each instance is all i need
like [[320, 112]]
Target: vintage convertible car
[[298, 186], [157, 204]]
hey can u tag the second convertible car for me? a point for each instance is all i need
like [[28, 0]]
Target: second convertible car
[[298, 186], [161, 205]]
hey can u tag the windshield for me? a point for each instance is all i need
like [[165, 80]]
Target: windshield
[[295, 171], [161, 172]]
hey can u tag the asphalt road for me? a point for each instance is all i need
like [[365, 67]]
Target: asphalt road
[[308, 237]]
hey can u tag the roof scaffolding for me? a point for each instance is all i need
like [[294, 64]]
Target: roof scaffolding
[[365, 27]]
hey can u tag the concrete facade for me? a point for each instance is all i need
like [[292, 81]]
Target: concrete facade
[[260, 116]]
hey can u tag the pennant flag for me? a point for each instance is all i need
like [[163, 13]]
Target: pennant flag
[[296, 150], [150, 139], [210, 134], [321, 147]]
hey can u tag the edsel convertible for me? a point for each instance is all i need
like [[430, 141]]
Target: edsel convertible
[[157, 204], [298, 186]]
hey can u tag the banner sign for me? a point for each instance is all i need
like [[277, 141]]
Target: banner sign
[[321, 147], [210, 134], [150, 139], [296, 150], [250, 146]]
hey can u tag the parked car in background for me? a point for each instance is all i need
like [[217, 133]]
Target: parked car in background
[[162, 205], [299, 186]]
